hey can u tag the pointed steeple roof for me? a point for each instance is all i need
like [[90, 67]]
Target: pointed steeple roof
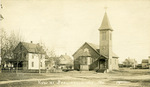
[[105, 23]]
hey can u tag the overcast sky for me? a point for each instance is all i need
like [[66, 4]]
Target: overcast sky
[[65, 25]]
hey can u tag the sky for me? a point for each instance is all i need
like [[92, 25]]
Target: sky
[[65, 25]]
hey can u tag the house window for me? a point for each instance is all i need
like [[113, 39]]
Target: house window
[[41, 64], [40, 56], [110, 61], [88, 60], [32, 64], [32, 56]]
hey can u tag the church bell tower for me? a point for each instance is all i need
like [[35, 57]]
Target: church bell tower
[[105, 44]]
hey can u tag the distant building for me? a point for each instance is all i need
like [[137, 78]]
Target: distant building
[[145, 63], [97, 57], [120, 65], [139, 66], [49, 63], [65, 61], [130, 63], [29, 56]]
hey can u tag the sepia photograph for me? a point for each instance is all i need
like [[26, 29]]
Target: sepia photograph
[[71, 43]]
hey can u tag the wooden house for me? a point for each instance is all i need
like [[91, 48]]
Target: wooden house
[[145, 63], [65, 61], [29, 56]]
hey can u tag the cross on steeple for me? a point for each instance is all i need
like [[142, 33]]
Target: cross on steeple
[[105, 8]]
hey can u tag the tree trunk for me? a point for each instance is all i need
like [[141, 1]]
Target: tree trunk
[[39, 65], [17, 67]]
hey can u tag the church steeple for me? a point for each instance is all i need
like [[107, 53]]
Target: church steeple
[[105, 23], [106, 40]]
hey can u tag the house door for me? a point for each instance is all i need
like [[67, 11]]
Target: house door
[[102, 64]]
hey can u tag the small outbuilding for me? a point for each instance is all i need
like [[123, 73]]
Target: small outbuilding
[[145, 63]]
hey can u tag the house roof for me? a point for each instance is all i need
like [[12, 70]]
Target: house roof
[[105, 23], [33, 48], [144, 60], [65, 59], [130, 60], [95, 48]]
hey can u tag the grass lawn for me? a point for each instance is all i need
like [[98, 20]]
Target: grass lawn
[[120, 78], [19, 76]]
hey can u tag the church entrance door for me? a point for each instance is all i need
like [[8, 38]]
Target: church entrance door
[[102, 64]]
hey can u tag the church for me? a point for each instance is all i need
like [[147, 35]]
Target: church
[[97, 57]]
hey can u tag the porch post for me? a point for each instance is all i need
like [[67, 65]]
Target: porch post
[[98, 63], [106, 63]]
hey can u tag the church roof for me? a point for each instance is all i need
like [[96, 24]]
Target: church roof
[[105, 23], [95, 48]]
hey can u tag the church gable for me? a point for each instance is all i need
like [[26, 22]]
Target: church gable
[[86, 58], [86, 50]]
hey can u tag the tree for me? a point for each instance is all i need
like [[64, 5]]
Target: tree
[[8, 44], [49, 53], [38, 51], [52, 57], [3, 44]]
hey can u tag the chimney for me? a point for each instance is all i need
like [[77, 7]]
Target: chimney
[[31, 42]]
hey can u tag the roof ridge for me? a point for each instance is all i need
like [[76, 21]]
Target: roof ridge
[[32, 47]]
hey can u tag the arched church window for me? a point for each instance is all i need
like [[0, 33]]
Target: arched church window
[[103, 35]]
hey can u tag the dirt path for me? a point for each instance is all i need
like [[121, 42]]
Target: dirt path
[[86, 79], [28, 80]]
